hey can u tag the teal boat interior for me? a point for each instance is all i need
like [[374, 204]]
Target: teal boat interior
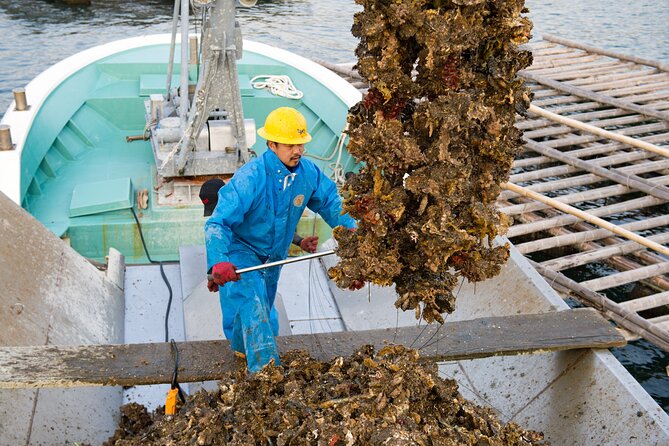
[[80, 177]]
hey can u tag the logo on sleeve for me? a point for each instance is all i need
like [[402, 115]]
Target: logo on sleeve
[[299, 200]]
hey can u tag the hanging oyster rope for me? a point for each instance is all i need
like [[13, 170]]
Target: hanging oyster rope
[[279, 85], [435, 137]]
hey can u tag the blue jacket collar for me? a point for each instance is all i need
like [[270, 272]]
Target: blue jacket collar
[[275, 166]]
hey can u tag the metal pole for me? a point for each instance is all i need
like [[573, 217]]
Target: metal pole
[[286, 261], [183, 94], [283, 262], [170, 64]]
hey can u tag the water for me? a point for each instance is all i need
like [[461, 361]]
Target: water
[[36, 34]]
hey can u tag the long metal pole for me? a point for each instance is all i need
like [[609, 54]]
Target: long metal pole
[[286, 261], [183, 94], [170, 65], [283, 262]]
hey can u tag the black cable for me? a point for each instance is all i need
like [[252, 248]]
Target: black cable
[[162, 273], [175, 383]]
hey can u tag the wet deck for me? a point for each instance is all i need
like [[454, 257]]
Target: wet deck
[[621, 183]]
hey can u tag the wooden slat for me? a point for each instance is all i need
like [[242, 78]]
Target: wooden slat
[[625, 318], [564, 60], [633, 75], [647, 302], [636, 131], [617, 279], [597, 84], [582, 258], [585, 69], [592, 117], [592, 49], [634, 89], [138, 364], [558, 129], [592, 166], [566, 219], [584, 93], [577, 165], [578, 197], [583, 180]]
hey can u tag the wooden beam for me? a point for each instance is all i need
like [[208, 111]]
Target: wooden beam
[[138, 364]]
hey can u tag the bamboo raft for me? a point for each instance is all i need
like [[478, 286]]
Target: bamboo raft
[[589, 190]]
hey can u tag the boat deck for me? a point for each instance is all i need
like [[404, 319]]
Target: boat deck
[[623, 184]]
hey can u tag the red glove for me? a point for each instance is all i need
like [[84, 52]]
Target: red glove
[[212, 286], [309, 244], [224, 272]]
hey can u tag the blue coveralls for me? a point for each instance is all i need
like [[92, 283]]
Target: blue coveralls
[[253, 223]]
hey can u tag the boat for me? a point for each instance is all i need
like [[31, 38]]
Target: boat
[[72, 184]]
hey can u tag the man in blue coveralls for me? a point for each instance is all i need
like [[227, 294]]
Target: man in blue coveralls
[[254, 222]]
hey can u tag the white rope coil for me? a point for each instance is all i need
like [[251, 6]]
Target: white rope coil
[[279, 85], [337, 167]]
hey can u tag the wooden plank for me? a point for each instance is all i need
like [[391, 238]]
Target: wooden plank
[[640, 80], [544, 53], [590, 150], [138, 364], [634, 89], [589, 115], [612, 67], [553, 130], [589, 217], [565, 60], [587, 138]]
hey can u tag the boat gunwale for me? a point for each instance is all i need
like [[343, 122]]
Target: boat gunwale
[[39, 89]]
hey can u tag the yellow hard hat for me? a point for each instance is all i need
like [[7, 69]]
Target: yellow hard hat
[[285, 125]]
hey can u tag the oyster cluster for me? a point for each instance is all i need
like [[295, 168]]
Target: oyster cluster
[[436, 134], [369, 398]]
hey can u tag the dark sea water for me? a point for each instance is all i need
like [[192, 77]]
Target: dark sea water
[[35, 34]]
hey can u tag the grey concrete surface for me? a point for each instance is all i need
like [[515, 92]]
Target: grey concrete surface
[[51, 295], [146, 297]]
